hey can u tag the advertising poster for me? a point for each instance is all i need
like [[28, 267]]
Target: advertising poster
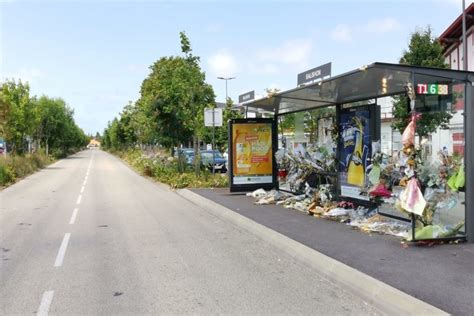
[[252, 154], [355, 146]]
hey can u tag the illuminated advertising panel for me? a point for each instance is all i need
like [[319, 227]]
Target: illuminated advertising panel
[[251, 152], [358, 128]]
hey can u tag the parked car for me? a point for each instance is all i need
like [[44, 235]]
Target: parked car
[[3, 146], [219, 160], [188, 154]]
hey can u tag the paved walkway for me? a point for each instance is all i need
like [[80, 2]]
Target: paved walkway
[[441, 275]]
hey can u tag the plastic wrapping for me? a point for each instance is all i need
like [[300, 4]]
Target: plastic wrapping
[[411, 200]]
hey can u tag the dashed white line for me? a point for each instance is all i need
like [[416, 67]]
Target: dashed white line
[[82, 189], [46, 300], [73, 217], [79, 198], [62, 250]]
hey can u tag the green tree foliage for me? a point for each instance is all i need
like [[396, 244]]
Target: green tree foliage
[[170, 110], [286, 124], [175, 94], [42, 122], [18, 113], [312, 119], [423, 50]]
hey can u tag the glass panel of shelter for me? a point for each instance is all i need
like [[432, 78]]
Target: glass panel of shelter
[[440, 141], [440, 137], [305, 139]]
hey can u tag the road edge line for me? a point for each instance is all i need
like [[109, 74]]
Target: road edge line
[[382, 296]]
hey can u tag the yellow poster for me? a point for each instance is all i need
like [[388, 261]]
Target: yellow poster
[[252, 149]]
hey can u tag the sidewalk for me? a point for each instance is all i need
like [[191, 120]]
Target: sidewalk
[[442, 275]]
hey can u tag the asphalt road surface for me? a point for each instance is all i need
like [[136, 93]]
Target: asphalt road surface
[[87, 235]]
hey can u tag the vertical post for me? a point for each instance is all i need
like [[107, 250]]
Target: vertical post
[[213, 153], [469, 159], [226, 91], [464, 43], [338, 150]]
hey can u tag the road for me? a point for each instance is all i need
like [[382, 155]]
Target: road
[[88, 235]]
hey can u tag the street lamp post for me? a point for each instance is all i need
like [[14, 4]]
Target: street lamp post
[[226, 79], [226, 97]]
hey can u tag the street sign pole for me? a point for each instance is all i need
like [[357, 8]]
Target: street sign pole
[[213, 118], [213, 152]]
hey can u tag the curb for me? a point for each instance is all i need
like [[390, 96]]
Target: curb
[[382, 296]]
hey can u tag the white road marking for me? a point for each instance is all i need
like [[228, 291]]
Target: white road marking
[[73, 217], [62, 250], [84, 183], [46, 300], [79, 198], [82, 189]]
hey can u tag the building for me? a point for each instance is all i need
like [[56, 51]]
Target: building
[[451, 139], [93, 143], [451, 39]]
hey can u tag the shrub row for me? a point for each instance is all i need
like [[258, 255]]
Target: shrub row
[[165, 169], [13, 167]]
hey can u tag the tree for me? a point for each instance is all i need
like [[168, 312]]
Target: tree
[[18, 112], [43, 121], [174, 95], [423, 50], [312, 118]]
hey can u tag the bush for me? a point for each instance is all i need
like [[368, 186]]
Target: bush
[[7, 175], [166, 170], [14, 167]]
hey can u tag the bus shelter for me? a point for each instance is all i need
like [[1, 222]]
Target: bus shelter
[[426, 198]]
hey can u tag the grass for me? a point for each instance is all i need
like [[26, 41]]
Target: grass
[[13, 167]]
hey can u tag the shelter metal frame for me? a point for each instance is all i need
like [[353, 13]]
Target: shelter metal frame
[[363, 84]]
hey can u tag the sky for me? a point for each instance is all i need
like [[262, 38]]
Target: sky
[[95, 54]]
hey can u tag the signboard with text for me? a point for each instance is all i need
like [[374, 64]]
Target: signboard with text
[[248, 96], [314, 74], [432, 88], [251, 156]]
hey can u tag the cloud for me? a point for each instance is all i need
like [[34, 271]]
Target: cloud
[[296, 52], [223, 64], [137, 69], [260, 68], [213, 28], [346, 33], [292, 55], [342, 33], [383, 25], [25, 74]]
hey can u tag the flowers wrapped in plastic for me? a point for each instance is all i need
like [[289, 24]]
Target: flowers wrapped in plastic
[[411, 199], [457, 180], [408, 136], [380, 191]]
